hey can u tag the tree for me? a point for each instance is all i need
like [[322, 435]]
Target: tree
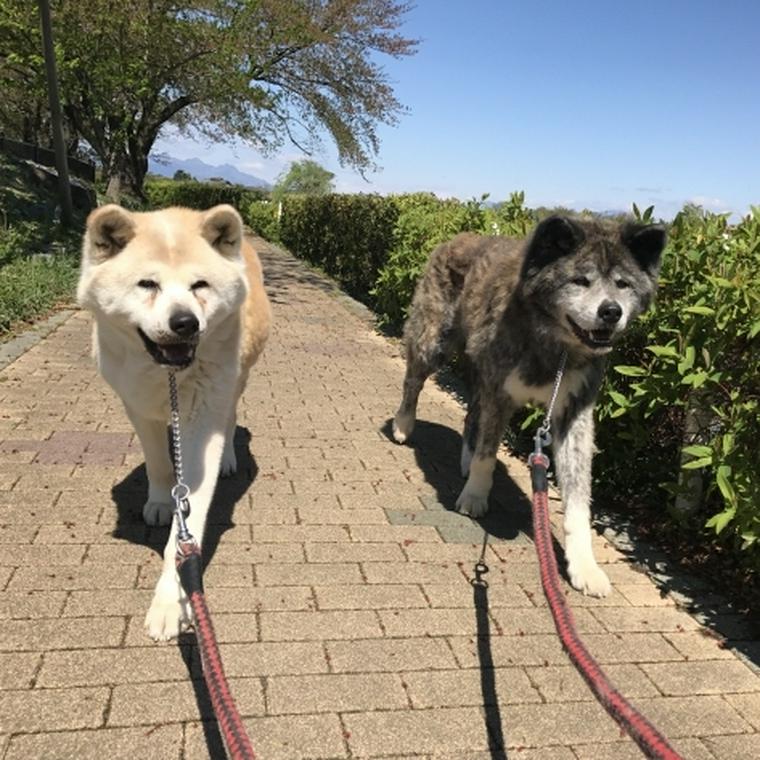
[[304, 177], [264, 71], [182, 176]]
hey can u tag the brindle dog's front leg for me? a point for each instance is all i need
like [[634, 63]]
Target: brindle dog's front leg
[[573, 450], [486, 425]]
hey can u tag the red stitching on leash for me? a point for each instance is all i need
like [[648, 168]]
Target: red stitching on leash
[[649, 739], [232, 729]]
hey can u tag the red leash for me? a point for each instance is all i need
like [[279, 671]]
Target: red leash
[[232, 730], [190, 570], [652, 743]]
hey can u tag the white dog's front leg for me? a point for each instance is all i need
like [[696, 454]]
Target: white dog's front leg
[[157, 510], [573, 452], [202, 445]]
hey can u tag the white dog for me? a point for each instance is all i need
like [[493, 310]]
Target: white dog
[[175, 289]]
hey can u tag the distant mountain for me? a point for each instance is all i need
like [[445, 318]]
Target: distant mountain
[[166, 166]]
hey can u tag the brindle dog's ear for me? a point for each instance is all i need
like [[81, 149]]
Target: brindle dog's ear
[[645, 242], [109, 229], [223, 228], [554, 237]]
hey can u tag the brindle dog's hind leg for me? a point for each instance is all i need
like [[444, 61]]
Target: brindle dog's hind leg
[[417, 371], [494, 410], [471, 422]]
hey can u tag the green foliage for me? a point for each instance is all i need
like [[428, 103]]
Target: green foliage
[[425, 222], [31, 286], [347, 236], [162, 193], [261, 217], [693, 360], [305, 177]]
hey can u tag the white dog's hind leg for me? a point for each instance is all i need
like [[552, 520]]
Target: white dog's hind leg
[[229, 460], [202, 453], [157, 510], [573, 452]]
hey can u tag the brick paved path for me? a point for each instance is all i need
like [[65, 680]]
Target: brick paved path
[[338, 578]]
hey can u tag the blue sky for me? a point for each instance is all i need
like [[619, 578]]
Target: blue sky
[[585, 103]]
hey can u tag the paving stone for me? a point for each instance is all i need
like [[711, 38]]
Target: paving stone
[[156, 742], [30, 710], [389, 655], [335, 693], [690, 678], [320, 626], [146, 704], [369, 597]]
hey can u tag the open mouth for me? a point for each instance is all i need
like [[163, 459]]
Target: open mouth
[[598, 339], [175, 354]]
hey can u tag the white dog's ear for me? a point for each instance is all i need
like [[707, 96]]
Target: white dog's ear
[[645, 242], [223, 228], [555, 236], [109, 229]]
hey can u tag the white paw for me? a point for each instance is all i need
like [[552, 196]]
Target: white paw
[[169, 613], [158, 512], [403, 424], [228, 465], [472, 503], [588, 577]]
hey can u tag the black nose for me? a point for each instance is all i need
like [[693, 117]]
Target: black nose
[[610, 312], [183, 323]]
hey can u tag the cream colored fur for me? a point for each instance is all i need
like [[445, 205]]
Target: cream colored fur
[[139, 269]]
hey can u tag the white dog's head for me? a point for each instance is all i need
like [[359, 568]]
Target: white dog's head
[[169, 277]]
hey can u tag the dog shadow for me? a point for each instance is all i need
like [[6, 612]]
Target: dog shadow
[[129, 496], [437, 452]]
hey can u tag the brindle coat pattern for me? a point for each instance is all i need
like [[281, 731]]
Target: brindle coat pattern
[[512, 308]]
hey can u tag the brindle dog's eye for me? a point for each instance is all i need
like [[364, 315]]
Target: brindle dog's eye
[[584, 282], [148, 284], [198, 285], [622, 284]]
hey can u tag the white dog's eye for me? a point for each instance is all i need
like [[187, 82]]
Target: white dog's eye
[[198, 285], [584, 282], [148, 284], [622, 284]]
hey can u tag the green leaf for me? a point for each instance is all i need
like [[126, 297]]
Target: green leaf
[[668, 351], [720, 520], [619, 398], [630, 370], [724, 484], [704, 310], [695, 464], [697, 450]]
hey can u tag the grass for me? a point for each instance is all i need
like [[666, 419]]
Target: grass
[[31, 287]]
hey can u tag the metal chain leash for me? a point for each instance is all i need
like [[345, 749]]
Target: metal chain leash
[[543, 435], [181, 490]]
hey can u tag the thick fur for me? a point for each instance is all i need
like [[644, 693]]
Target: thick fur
[[512, 308], [183, 288]]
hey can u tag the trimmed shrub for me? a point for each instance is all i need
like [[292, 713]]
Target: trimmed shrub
[[347, 236], [162, 193], [261, 217]]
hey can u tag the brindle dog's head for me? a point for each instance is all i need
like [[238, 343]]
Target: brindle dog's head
[[590, 279]]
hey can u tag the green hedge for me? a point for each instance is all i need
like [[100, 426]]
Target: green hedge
[[161, 193], [682, 396], [347, 236]]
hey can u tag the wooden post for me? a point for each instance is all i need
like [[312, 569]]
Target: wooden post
[[64, 188]]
